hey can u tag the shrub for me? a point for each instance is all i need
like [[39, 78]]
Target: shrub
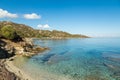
[[8, 32], [0, 34]]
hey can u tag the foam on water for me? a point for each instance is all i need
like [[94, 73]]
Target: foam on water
[[74, 59]]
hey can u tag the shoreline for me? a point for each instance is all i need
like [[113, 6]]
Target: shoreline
[[10, 50], [5, 74], [18, 72]]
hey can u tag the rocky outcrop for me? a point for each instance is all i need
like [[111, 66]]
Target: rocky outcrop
[[25, 47], [10, 48], [5, 74], [3, 52]]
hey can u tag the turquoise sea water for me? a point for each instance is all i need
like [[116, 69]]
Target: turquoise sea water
[[74, 59]]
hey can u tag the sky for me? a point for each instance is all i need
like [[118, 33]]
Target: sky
[[95, 18]]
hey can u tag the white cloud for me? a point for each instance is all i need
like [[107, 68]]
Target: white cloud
[[46, 26], [6, 14], [31, 16]]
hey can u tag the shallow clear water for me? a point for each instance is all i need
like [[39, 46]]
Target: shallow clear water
[[74, 59]]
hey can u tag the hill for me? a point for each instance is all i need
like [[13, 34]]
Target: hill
[[27, 31]]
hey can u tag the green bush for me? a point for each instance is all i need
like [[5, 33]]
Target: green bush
[[8, 32]]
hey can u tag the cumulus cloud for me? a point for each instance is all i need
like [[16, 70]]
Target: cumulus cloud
[[6, 14], [31, 16], [46, 26]]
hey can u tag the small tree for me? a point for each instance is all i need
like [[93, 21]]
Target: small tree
[[8, 32]]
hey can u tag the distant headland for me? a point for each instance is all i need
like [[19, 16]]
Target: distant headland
[[27, 31]]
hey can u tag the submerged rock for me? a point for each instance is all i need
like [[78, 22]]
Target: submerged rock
[[93, 77], [111, 66], [114, 69], [116, 75], [111, 56]]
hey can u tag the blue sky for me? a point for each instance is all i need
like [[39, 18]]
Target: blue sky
[[96, 18]]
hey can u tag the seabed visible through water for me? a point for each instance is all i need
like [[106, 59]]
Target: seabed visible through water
[[74, 59]]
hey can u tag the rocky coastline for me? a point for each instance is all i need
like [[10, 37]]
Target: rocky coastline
[[8, 50]]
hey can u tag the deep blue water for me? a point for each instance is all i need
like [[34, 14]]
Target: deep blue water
[[75, 59]]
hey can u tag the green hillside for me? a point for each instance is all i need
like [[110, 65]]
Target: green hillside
[[27, 31]]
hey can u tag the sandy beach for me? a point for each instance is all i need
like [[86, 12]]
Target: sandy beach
[[21, 74]]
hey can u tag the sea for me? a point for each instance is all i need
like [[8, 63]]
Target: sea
[[74, 59]]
